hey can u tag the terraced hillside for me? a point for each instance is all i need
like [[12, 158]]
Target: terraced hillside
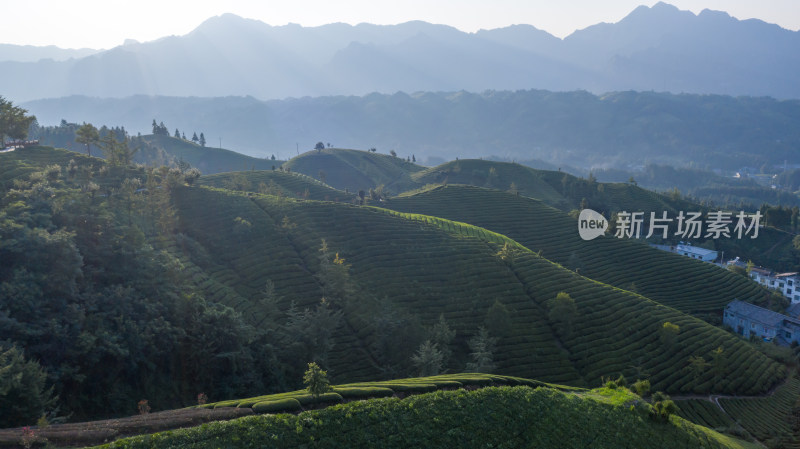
[[273, 282], [356, 170], [277, 182], [207, 159], [425, 267], [495, 175], [688, 285]]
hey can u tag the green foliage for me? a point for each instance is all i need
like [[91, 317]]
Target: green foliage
[[482, 347], [489, 417], [561, 312], [663, 407], [498, 320], [87, 134], [442, 335], [280, 405], [117, 152], [316, 380], [669, 333], [23, 394], [428, 359], [123, 319], [334, 276], [14, 122], [641, 387]]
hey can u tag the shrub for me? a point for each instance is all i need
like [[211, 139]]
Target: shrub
[[324, 397], [280, 405], [364, 392], [641, 387]]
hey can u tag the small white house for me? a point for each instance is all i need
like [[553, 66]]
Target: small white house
[[706, 255]]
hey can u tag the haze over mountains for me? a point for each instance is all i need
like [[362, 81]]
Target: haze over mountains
[[659, 48]]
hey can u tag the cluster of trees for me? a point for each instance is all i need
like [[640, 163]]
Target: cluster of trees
[[159, 129], [93, 314], [14, 121]]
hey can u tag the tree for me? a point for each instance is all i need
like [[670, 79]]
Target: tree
[[498, 319], [177, 134], [393, 153], [195, 139], [482, 346], [413, 158], [506, 254], [697, 365], [191, 175], [117, 152], [333, 275], [663, 407], [669, 333], [441, 335], [562, 311], [641, 387], [719, 362], [13, 121], [87, 134], [322, 176], [203, 141], [316, 380], [319, 147], [23, 396], [428, 359]]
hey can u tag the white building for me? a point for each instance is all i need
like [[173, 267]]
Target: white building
[[786, 283], [695, 252]]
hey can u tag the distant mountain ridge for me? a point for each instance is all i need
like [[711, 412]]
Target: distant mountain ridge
[[622, 129], [653, 48]]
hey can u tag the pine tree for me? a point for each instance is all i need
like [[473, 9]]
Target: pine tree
[[194, 138], [482, 346], [428, 359], [202, 140], [177, 134], [316, 380]]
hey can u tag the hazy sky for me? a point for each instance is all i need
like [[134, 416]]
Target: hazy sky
[[107, 23]]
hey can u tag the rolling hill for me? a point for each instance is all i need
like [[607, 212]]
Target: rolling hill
[[207, 159], [277, 182], [234, 291], [356, 170]]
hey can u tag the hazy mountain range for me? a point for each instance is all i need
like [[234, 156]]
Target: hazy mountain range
[[654, 48], [623, 129]]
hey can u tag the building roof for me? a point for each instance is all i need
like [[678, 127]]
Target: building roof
[[696, 250], [761, 271], [786, 275], [794, 310], [759, 314]]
